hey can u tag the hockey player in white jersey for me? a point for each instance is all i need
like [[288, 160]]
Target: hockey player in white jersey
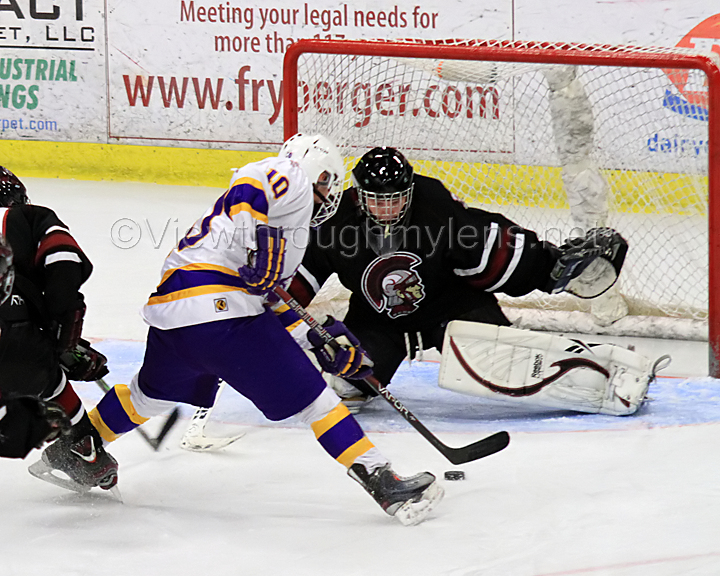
[[213, 317]]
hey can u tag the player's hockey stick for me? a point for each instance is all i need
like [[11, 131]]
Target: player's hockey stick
[[169, 422], [474, 451], [194, 438]]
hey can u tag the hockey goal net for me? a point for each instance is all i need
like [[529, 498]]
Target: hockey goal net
[[559, 138]]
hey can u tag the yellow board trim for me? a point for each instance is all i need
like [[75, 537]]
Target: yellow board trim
[[124, 163], [105, 432], [358, 449], [123, 394], [334, 416], [482, 184], [630, 191]]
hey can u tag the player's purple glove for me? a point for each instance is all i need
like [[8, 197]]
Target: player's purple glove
[[265, 266], [349, 361]]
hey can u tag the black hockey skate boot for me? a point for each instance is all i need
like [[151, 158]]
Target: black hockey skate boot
[[81, 457], [408, 499]]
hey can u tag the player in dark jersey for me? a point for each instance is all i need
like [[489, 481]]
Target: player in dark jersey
[[42, 322], [25, 422], [414, 258]]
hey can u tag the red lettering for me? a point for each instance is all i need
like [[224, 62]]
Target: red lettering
[[321, 95]]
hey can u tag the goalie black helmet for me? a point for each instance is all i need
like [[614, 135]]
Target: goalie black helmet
[[383, 179], [12, 191], [7, 272]]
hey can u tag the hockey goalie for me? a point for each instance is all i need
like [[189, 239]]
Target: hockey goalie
[[538, 370]]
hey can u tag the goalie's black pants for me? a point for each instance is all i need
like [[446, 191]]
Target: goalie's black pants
[[387, 346]]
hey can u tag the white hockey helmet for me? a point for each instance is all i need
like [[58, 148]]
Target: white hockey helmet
[[320, 160]]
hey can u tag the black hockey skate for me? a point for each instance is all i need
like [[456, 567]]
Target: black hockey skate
[[410, 500], [80, 456]]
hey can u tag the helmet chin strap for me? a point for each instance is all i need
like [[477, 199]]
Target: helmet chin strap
[[320, 195]]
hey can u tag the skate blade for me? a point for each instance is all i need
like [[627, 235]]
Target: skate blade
[[115, 491], [44, 472], [412, 513], [205, 444]]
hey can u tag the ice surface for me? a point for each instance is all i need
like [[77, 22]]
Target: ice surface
[[571, 495]]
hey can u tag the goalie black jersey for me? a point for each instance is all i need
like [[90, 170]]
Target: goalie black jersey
[[444, 260], [49, 265]]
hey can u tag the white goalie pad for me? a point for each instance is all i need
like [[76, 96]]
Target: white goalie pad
[[521, 367]]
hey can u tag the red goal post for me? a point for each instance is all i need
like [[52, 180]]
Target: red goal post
[[527, 129]]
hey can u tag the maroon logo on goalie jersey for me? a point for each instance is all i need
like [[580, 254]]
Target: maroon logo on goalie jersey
[[391, 284]]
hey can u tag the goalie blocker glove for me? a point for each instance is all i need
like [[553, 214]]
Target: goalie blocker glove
[[589, 266]]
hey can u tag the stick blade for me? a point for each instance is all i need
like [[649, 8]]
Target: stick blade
[[480, 449], [169, 424], [206, 444]]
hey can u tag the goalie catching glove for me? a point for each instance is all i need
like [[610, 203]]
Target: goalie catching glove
[[589, 266], [349, 360], [520, 367]]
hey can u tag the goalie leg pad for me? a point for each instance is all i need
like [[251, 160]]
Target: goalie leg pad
[[520, 367]]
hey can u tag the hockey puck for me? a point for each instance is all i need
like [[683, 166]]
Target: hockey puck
[[454, 475]]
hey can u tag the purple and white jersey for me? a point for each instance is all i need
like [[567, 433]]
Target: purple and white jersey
[[200, 281]]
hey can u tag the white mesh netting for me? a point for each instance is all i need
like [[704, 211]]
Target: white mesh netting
[[556, 147]]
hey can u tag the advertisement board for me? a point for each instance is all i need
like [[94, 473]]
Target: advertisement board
[[52, 70], [194, 73], [208, 73]]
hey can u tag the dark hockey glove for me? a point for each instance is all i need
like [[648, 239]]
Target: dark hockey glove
[[349, 360], [27, 423], [589, 266], [84, 363], [265, 264], [69, 328]]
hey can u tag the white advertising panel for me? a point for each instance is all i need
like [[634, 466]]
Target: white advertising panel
[[205, 73], [52, 70], [208, 73]]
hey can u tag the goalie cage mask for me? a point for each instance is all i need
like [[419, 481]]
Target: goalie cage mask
[[383, 180]]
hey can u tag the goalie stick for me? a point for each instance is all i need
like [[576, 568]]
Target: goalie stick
[[169, 422], [480, 449], [194, 438]]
